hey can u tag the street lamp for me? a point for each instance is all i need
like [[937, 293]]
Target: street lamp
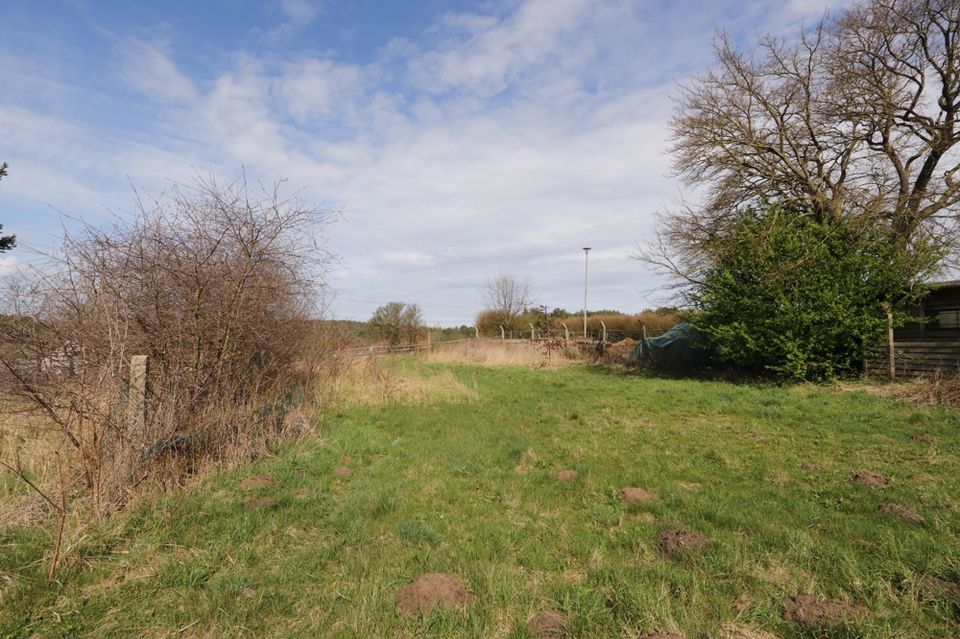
[[586, 262]]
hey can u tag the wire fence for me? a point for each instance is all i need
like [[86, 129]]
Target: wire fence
[[516, 337]]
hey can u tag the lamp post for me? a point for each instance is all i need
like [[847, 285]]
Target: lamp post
[[586, 264]]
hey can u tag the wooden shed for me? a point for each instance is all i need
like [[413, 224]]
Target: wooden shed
[[928, 347]]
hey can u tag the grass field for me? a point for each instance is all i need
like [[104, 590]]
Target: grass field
[[465, 483]]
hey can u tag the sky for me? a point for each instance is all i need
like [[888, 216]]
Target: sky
[[454, 140]]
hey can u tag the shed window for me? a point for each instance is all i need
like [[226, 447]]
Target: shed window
[[944, 319]]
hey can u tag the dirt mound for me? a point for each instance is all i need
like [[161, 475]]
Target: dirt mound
[[343, 471], [663, 635], [567, 475], [547, 624], [430, 590], [906, 513], [258, 481], [870, 478], [634, 495], [810, 612], [923, 437], [937, 588], [681, 541], [260, 502]]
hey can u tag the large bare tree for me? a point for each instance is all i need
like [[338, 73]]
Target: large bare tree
[[508, 297], [855, 118]]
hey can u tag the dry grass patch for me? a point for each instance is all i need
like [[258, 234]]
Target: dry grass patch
[[375, 381], [497, 353]]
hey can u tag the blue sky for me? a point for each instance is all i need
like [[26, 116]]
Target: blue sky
[[460, 139]]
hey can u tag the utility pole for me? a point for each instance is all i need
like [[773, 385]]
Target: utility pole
[[586, 264]]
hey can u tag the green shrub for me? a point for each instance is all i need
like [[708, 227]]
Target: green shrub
[[801, 299]]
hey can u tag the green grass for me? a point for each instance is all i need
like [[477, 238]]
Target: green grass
[[436, 487]]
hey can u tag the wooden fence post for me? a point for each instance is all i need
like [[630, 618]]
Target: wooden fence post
[[137, 396], [476, 329], [604, 334], [566, 333], [891, 345], [533, 332], [503, 333]]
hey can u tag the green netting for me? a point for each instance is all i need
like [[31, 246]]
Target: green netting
[[683, 348]]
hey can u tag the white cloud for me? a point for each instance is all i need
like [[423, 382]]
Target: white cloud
[[301, 11], [149, 70], [315, 88], [406, 259], [492, 51], [501, 142], [9, 265]]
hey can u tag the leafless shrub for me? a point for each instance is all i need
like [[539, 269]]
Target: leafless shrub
[[216, 284]]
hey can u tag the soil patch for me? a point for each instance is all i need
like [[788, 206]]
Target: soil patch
[[870, 478], [634, 495], [258, 481], [810, 612], [567, 475], [260, 502], [342, 471], [663, 635], [547, 624], [906, 513], [923, 437], [430, 590], [681, 541], [811, 467], [937, 588]]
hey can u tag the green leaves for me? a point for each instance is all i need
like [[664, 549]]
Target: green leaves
[[801, 299]]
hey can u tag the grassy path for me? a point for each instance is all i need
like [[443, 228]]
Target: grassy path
[[469, 488]]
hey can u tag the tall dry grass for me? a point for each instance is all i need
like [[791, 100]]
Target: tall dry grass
[[493, 352], [622, 326], [378, 380]]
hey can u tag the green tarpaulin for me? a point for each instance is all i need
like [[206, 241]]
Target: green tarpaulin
[[681, 349]]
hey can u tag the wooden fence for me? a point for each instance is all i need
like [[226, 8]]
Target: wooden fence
[[916, 356]]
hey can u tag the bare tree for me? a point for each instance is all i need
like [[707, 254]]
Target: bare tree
[[854, 119], [508, 297]]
